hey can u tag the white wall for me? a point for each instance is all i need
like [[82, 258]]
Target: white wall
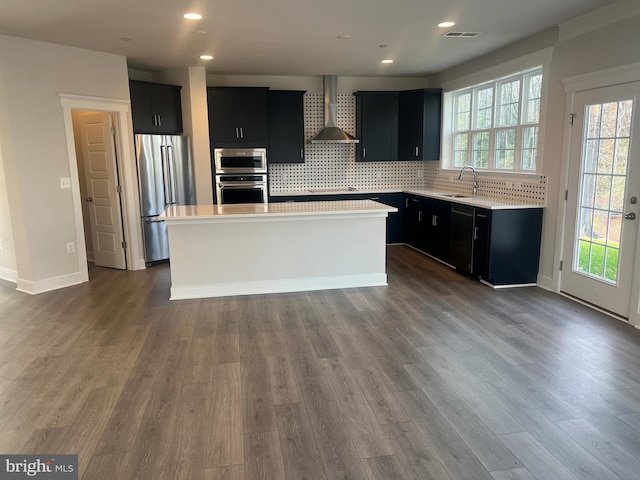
[[7, 253], [195, 122], [33, 143], [589, 48], [314, 84]]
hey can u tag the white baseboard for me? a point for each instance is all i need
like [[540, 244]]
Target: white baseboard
[[546, 283], [8, 275], [510, 285], [138, 264], [277, 286], [48, 284]]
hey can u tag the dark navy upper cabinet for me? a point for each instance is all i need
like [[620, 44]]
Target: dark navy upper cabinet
[[420, 115], [155, 107], [376, 126], [285, 119], [237, 116]]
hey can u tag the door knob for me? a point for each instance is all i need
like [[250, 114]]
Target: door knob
[[89, 199], [630, 216]]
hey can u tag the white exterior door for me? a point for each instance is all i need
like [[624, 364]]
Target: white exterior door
[[601, 225], [102, 186]]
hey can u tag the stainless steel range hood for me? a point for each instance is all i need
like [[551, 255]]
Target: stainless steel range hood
[[331, 133]]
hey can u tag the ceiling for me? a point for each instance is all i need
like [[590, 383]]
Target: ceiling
[[288, 37]]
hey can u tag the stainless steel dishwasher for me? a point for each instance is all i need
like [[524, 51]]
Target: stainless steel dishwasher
[[461, 239]]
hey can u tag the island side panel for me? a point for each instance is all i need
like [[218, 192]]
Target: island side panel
[[278, 255]]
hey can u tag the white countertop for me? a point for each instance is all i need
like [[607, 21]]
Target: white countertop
[[481, 202], [262, 210], [477, 201], [336, 191]]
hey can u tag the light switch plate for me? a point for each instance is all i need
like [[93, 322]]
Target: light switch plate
[[65, 182]]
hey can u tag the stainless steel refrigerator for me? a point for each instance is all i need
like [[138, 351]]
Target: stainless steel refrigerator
[[165, 176]]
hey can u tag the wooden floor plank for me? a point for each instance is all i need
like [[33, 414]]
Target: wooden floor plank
[[337, 451], [234, 472], [539, 461], [455, 454], [576, 459], [610, 455], [299, 448], [475, 433], [415, 453], [224, 418], [365, 431], [263, 456]]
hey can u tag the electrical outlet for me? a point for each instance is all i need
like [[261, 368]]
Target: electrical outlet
[[71, 247], [509, 184], [451, 179], [1, 244], [420, 173], [65, 182], [517, 185]]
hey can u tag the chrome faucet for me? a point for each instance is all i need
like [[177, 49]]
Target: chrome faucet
[[475, 178]]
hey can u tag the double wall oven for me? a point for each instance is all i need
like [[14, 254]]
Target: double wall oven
[[240, 175]]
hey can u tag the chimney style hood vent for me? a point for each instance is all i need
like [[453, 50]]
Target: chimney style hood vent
[[331, 133]]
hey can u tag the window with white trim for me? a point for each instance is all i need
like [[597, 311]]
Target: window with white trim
[[495, 124]]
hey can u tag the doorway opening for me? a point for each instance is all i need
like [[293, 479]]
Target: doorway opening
[[99, 180]]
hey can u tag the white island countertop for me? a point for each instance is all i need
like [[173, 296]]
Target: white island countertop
[[257, 211]]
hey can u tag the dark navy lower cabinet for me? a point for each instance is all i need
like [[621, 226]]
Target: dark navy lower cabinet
[[513, 245], [501, 247], [427, 225], [394, 220]]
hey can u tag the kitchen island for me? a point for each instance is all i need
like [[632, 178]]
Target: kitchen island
[[244, 249]]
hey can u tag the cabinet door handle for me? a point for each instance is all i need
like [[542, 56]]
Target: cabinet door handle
[[237, 132], [419, 216], [241, 133], [364, 152], [302, 153], [434, 220], [417, 151], [159, 120], [475, 233], [406, 203]]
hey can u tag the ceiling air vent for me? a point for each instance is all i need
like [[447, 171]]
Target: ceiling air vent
[[461, 34]]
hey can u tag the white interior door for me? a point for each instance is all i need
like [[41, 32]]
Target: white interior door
[[101, 177], [602, 205]]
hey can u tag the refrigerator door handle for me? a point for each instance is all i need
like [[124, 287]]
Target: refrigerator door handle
[[172, 175], [165, 170]]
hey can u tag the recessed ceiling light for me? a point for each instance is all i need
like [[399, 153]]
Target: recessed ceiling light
[[344, 37], [206, 57], [386, 60], [446, 24], [199, 32], [192, 16]]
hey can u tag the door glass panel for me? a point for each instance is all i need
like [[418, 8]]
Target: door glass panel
[[602, 189]]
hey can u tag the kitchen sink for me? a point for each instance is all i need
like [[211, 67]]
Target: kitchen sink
[[454, 195]]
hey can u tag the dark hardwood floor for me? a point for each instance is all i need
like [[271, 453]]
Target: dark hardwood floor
[[433, 377]]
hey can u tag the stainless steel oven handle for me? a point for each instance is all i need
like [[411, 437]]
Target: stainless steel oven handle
[[242, 184]]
